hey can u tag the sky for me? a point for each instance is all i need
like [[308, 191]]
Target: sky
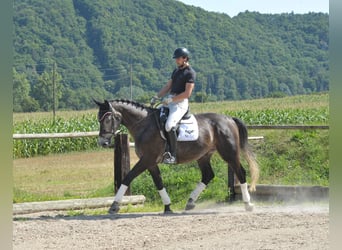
[[233, 7]]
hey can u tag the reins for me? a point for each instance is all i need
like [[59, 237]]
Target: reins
[[138, 122], [154, 112]]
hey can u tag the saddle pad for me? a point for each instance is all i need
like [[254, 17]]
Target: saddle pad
[[188, 129]]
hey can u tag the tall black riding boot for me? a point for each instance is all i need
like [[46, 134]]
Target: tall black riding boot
[[170, 157]]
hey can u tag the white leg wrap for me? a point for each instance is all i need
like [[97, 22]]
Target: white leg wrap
[[245, 194], [165, 197], [198, 190], [120, 193]]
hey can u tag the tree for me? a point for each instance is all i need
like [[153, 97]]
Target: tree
[[94, 44], [30, 105], [43, 90], [21, 90], [231, 90], [201, 97]]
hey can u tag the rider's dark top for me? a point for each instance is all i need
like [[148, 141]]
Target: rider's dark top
[[180, 77]]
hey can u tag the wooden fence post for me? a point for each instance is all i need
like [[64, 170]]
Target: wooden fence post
[[121, 161]]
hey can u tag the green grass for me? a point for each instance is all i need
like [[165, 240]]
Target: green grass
[[64, 176], [294, 157], [20, 195]]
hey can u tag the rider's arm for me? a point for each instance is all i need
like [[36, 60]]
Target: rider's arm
[[165, 89], [186, 94]]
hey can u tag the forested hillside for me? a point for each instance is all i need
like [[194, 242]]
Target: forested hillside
[[96, 48]]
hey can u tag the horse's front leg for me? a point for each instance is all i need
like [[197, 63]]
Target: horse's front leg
[[158, 181], [135, 171]]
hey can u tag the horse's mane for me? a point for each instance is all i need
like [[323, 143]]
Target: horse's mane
[[133, 103]]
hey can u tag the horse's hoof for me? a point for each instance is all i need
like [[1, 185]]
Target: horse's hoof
[[167, 209], [114, 208], [231, 199], [167, 212], [249, 206], [190, 204]]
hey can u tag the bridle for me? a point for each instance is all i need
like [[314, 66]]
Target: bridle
[[109, 113], [114, 114]]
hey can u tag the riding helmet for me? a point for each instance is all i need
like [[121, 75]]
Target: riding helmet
[[181, 52]]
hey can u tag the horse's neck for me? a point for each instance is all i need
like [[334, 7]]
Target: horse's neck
[[131, 115]]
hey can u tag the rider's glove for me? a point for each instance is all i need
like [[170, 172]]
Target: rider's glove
[[167, 100], [154, 99]]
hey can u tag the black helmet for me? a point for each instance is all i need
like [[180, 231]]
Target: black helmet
[[181, 52]]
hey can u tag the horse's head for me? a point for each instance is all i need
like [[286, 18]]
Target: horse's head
[[109, 120]]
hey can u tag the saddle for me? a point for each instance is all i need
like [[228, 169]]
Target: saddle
[[187, 127]]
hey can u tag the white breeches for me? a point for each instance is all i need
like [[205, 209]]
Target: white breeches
[[177, 111]]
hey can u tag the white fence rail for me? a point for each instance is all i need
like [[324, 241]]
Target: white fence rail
[[81, 134], [56, 135], [96, 133]]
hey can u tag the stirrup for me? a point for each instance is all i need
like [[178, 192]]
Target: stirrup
[[169, 159]]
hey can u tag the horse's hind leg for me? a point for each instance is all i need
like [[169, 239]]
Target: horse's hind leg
[[158, 181], [207, 176], [231, 184], [241, 175], [231, 155]]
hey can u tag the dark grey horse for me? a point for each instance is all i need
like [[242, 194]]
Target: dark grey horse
[[217, 132]]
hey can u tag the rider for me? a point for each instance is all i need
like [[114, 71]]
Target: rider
[[176, 93]]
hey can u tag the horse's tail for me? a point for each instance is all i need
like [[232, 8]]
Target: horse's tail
[[247, 152]]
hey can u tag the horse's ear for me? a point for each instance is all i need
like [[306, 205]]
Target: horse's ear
[[97, 102], [107, 104], [110, 107]]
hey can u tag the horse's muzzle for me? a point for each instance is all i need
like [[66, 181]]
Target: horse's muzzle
[[105, 142]]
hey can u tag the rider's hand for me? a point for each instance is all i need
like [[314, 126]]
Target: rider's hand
[[154, 99], [167, 101]]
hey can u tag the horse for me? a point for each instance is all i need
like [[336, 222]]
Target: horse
[[226, 135]]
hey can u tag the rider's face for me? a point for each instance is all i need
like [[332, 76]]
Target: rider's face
[[180, 61]]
